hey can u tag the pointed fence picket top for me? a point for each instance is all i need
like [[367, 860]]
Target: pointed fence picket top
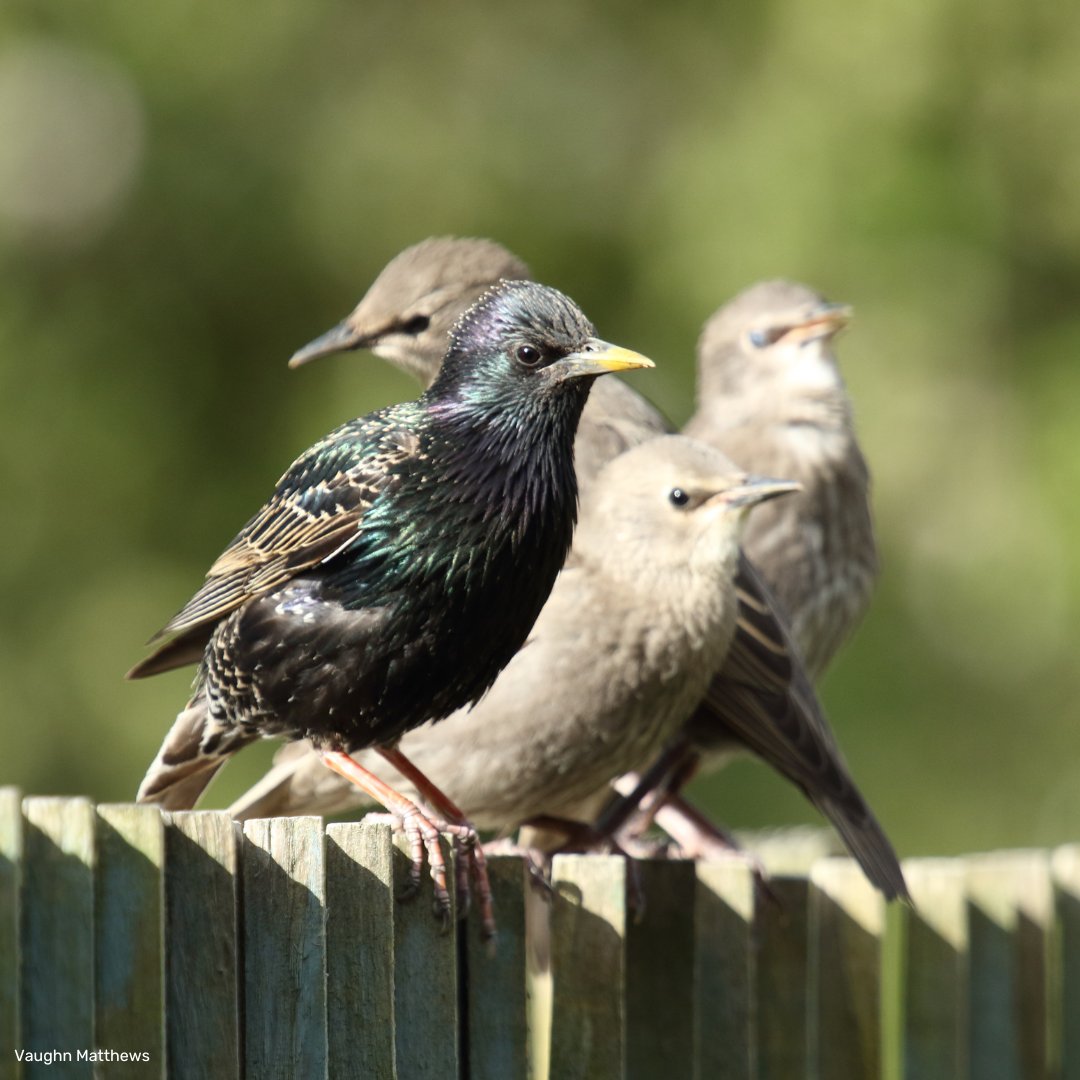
[[281, 948]]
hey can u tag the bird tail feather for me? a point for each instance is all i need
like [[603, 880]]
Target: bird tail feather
[[869, 846], [189, 758]]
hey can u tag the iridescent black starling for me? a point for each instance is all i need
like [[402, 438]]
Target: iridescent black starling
[[761, 700], [399, 564]]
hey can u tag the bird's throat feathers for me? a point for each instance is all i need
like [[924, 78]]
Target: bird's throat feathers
[[514, 465]]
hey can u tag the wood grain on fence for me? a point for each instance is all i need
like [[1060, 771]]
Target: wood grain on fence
[[283, 950]]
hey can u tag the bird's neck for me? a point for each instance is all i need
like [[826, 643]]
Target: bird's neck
[[824, 408], [514, 463]]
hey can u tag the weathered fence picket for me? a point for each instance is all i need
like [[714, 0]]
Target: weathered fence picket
[[847, 920], [360, 911], [783, 974], [1009, 902], [725, 979], [496, 979], [588, 965], [425, 981], [282, 951], [128, 944], [283, 887], [935, 998], [57, 921], [202, 946], [660, 972]]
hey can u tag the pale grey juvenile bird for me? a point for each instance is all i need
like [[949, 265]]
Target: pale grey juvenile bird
[[771, 396], [761, 700], [588, 698]]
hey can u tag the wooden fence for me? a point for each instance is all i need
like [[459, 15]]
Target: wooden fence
[[278, 950]]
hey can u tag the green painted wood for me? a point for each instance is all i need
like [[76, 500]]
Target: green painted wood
[[782, 973], [284, 934], [935, 1000], [1009, 907], [360, 950], [588, 965], [495, 978], [57, 911], [847, 920], [725, 1015], [202, 946], [11, 857], [425, 981], [1065, 866], [660, 972], [128, 940]]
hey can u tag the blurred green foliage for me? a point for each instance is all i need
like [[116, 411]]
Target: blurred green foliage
[[189, 191]]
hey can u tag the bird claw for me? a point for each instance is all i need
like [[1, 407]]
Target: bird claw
[[422, 834]]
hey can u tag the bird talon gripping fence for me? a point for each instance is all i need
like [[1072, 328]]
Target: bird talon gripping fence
[[138, 943]]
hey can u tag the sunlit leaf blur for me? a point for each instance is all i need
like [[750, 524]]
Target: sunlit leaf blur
[[191, 190]]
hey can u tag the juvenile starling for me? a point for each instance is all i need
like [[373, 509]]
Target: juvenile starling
[[639, 620], [770, 395], [761, 700], [398, 566]]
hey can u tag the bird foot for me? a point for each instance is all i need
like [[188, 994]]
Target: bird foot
[[471, 864], [422, 833], [422, 830]]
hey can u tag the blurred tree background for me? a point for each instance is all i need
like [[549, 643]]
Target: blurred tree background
[[190, 190]]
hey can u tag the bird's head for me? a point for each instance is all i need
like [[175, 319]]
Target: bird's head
[[776, 334], [672, 508], [407, 314], [521, 342]]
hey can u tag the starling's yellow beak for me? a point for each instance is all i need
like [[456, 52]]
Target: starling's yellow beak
[[822, 321], [342, 338], [756, 489], [597, 357]]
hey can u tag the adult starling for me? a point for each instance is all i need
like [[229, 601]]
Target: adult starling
[[639, 620], [760, 700], [398, 566], [770, 395]]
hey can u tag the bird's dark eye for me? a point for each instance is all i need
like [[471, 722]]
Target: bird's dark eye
[[678, 497], [763, 337], [416, 325], [529, 355]]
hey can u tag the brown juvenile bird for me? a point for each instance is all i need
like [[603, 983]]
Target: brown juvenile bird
[[639, 620], [771, 396], [761, 700]]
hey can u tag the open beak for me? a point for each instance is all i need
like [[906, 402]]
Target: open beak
[[597, 357], [757, 489], [342, 338], [822, 321]]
